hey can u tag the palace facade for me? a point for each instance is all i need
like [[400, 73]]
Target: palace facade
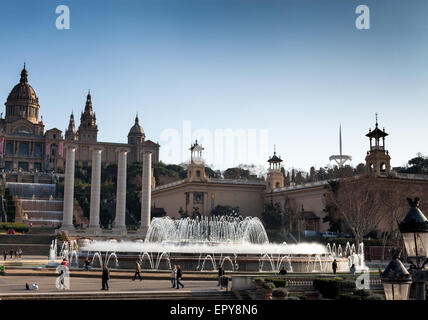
[[26, 148], [307, 200]]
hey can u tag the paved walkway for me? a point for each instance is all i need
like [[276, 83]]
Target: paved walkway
[[16, 284]]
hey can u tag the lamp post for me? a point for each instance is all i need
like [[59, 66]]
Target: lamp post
[[414, 229], [396, 280]]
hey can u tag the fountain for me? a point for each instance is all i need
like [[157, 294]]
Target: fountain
[[353, 256], [202, 244]]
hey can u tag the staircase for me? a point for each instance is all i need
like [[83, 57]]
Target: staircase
[[30, 244]]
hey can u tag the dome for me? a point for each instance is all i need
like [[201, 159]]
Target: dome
[[23, 91], [136, 128]]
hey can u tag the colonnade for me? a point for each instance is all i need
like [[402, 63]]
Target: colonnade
[[119, 225]]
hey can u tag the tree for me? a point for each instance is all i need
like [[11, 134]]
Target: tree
[[359, 205], [196, 213], [182, 214], [220, 210], [272, 216]]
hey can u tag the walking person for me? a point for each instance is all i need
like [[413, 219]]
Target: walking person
[[137, 270], [334, 266], [220, 274], [20, 253], [4, 255], [173, 275], [179, 276], [87, 266], [282, 272], [11, 253], [16, 254], [352, 270], [105, 278]]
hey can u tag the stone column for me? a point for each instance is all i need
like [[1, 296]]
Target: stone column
[[119, 221], [146, 192], [94, 216], [67, 216]]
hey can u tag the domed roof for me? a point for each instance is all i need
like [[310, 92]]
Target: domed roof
[[136, 128], [23, 91]]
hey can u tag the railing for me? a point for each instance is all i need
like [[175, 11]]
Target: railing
[[238, 181], [302, 186]]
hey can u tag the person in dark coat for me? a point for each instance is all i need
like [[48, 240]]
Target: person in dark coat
[[334, 266], [179, 276], [11, 253], [220, 274], [137, 270], [283, 272], [105, 278], [4, 255]]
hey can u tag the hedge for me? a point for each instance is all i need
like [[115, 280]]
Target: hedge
[[278, 282], [268, 285], [328, 287], [279, 293], [348, 284], [17, 226]]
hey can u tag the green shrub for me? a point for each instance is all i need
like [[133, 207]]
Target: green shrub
[[278, 282], [328, 287], [279, 293], [17, 226], [362, 293], [347, 284], [349, 296], [268, 285], [60, 237], [259, 280]]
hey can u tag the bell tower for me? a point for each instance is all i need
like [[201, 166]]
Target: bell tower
[[275, 177], [196, 167], [377, 159], [88, 128]]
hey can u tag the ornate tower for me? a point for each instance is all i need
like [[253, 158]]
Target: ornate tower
[[136, 134], [70, 133], [377, 159], [196, 167], [22, 102], [88, 128], [275, 177]]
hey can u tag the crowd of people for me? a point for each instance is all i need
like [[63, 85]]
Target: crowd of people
[[13, 253]]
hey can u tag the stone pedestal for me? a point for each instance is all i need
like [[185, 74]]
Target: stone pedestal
[[119, 226], [67, 218], [146, 193], [94, 217]]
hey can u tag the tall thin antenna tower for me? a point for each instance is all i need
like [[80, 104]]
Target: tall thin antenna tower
[[340, 158]]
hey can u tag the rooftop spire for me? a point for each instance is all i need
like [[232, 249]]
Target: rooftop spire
[[24, 75]]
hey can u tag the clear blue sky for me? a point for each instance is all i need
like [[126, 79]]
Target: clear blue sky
[[297, 68]]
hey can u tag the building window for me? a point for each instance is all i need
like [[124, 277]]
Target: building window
[[9, 148], [23, 149], [198, 197], [8, 165], [38, 166], [54, 136], [37, 150], [23, 166]]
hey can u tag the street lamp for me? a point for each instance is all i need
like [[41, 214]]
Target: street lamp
[[396, 280], [414, 229]]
